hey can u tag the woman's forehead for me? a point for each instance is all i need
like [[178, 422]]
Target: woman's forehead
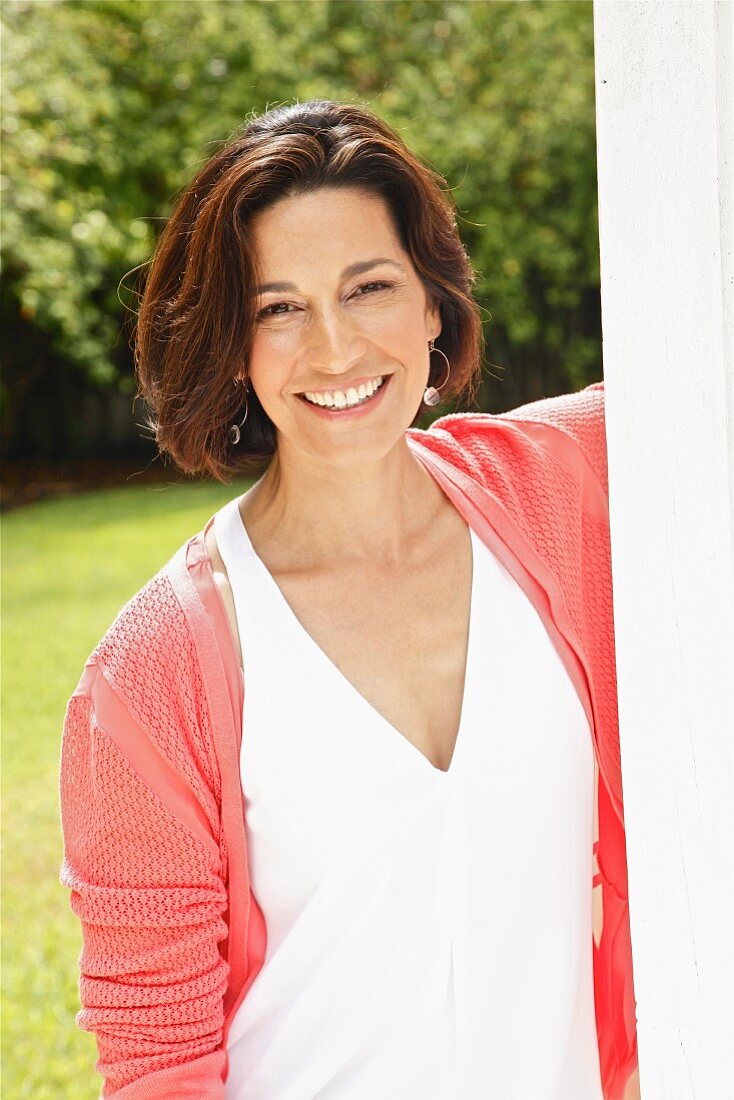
[[334, 220]]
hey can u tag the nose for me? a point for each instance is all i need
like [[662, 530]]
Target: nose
[[334, 344]]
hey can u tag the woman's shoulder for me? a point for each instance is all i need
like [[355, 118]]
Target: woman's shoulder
[[150, 626], [148, 672], [150, 649], [568, 426], [580, 415]]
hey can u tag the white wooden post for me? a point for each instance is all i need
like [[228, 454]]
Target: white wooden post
[[665, 142]]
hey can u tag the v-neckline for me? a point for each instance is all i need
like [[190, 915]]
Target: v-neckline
[[396, 741]]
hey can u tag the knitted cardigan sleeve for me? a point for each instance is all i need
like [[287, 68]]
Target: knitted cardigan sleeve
[[144, 857]]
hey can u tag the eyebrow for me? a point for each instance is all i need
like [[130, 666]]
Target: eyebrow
[[353, 269]]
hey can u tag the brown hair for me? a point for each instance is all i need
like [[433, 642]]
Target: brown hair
[[197, 313]]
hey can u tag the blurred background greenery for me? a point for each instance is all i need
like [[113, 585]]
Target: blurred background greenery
[[109, 108]]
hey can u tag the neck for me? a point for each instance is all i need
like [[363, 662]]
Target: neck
[[315, 516]]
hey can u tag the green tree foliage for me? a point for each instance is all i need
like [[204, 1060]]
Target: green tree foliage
[[110, 106]]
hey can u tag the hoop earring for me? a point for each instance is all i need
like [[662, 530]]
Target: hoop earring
[[234, 431], [431, 395]]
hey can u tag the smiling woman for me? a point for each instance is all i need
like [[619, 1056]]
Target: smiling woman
[[264, 260], [339, 784]]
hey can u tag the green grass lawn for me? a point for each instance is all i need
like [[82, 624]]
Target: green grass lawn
[[68, 566]]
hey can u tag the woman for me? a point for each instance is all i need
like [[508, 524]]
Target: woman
[[329, 781]]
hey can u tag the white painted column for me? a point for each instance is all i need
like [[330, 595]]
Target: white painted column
[[665, 143]]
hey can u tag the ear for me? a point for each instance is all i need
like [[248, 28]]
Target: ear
[[433, 317]]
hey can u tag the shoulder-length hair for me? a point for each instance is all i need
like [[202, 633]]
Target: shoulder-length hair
[[197, 313]]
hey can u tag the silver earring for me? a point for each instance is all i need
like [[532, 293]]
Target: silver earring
[[234, 431], [431, 395]]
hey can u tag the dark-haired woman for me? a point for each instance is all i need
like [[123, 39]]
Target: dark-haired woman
[[340, 784]]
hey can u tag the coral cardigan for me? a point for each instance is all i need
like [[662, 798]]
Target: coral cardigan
[[151, 801]]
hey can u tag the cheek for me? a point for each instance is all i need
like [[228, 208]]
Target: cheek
[[397, 332], [269, 367]]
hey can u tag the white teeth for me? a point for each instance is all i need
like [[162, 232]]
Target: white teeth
[[340, 399]]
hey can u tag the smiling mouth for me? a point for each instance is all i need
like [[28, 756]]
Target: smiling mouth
[[349, 404]]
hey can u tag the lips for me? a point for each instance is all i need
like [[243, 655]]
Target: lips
[[344, 387], [348, 411], [352, 405]]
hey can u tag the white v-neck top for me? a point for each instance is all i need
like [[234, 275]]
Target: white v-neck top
[[429, 933]]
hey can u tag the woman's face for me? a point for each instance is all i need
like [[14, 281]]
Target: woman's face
[[353, 311]]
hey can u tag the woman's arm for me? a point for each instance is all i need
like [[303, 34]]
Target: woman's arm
[[632, 1091], [145, 875]]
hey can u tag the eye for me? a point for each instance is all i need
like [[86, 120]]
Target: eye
[[381, 285], [266, 311]]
